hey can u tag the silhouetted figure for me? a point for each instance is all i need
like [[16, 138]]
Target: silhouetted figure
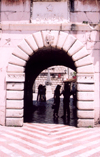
[[74, 90], [66, 100], [74, 94], [41, 93], [56, 101]]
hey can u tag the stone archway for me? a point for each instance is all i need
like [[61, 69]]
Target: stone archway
[[16, 76]]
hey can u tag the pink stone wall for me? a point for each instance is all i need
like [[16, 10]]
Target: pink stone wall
[[86, 10], [15, 12], [10, 38]]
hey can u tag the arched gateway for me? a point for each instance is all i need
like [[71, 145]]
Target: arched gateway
[[80, 61]]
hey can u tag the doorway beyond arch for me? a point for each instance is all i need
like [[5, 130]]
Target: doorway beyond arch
[[37, 45]]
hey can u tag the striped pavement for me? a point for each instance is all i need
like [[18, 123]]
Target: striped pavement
[[49, 140]]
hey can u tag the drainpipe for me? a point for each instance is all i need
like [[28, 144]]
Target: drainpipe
[[99, 77], [0, 12], [31, 8], [72, 5]]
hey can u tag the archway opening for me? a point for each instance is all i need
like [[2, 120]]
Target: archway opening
[[38, 62]]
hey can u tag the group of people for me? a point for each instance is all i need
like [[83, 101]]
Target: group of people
[[66, 100], [67, 92], [41, 96]]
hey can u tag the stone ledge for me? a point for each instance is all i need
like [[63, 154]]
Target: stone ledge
[[14, 104], [15, 77], [85, 87], [85, 78], [85, 114], [15, 86], [15, 68], [14, 122], [85, 105], [47, 26], [11, 113], [15, 95], [85, 96], [85, 123]]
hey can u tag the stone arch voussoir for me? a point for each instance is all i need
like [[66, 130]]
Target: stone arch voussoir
[[16, 76]]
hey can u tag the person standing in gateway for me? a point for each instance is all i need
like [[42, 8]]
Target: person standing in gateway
[[56, 101], [66, 101]]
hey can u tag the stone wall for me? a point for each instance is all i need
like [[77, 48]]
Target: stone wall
[[15, 25]]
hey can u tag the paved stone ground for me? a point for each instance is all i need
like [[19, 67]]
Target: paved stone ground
[[44, 137], [49, 140], [44, 112]]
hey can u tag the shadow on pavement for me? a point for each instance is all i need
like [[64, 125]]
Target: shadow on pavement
[[43, 113]]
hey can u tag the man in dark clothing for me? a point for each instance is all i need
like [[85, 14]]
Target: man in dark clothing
[[66, 100], [56, 101]]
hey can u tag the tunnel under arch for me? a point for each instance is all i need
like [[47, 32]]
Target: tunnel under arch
[[35, 65], [39, 51]]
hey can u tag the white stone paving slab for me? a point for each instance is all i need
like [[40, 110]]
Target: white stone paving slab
[[25, 47], [30, 40], [15, 95], [61, 39], [15, 86], [84, 61], [21, 54], [69, 42], [17, 61], [38, 38], [80, 54], [76, 47], [15, 68], [14, 104]]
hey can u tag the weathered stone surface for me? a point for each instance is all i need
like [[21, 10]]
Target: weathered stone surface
[[61, 39], [17, 61], [86, 69], [78, 26], [87, 96], [44, 35], [15, 68], [2, 115], [15, 77], [38, 38], [12, 113], [85, 123], [15, 86], [84, 61], [50, 11], [95, 55], [25, 47], [85, 114], [85, 105], [76, 47], [80, 54], [85, 78], [21, 54], [49, 38], [84, 7], [15, 95], [30, 40], [14, 104], [14, 121], [85, 87], [55, 36], [46, 26], [69, 42], [85, 16]]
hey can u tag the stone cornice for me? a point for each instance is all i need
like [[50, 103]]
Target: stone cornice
[[47, 26]]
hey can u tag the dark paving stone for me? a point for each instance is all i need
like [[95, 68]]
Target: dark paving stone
[[43, 113]]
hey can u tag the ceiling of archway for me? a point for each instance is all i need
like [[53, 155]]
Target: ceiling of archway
[[46, 58]]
